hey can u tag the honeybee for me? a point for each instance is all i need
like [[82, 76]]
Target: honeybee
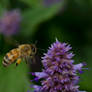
[[23, 51]]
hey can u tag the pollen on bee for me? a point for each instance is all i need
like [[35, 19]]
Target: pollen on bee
[[8, 54], [18, 61]]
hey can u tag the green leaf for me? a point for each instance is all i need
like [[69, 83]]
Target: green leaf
[[32, 3], [1, 9], [87, 76], [5, 3], [12, 78], [32, 18]]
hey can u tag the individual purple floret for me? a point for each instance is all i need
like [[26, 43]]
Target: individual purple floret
[[59, 73], [10, 22]]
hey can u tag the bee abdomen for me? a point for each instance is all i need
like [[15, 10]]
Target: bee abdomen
[[10, 57], [6, 61]]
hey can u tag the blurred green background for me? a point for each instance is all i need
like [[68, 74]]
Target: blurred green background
[[42, 21]]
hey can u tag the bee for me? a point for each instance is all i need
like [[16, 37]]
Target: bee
[[23, 51]]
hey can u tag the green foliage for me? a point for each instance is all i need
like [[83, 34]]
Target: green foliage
[[4, 3], [33, 17], [32, 3], [1, 9], [12, 78]]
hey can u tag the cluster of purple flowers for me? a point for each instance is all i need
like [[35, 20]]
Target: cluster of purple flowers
[[60, 72], [10, 22]]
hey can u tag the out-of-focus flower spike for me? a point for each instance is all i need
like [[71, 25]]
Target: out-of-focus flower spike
[[10, 22]]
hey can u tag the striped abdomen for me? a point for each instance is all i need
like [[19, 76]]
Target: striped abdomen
[[10, 57]]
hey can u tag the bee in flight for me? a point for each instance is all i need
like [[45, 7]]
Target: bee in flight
[[23, 51]]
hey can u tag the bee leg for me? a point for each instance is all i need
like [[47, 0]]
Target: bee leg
[[26, 59], [18, 61]]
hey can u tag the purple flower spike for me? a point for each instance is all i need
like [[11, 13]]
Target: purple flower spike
[[59, 74], [10, 22]]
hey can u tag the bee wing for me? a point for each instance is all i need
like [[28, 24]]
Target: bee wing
[[35, 63], [30, 59]]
